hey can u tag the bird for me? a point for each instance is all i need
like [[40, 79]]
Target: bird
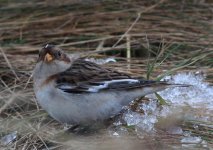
[[76, 91]]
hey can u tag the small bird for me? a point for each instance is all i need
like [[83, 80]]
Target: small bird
[[76, 91]]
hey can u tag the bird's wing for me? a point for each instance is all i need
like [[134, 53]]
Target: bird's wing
[[85, 76]]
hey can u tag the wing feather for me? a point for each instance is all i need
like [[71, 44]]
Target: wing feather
[[84, 76]]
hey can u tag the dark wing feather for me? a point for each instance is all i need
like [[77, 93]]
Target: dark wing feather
[[85, 76]]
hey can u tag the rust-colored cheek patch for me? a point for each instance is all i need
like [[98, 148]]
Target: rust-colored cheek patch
[[48, 80]]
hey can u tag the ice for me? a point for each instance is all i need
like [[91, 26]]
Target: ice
[[115, 134], [200, 94], [145, 122], [198, 97], [191, 103], [149, 108], [118, 131], [191, 139], [5, 140], [193, 142]]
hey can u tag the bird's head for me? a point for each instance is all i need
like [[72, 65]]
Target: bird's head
[[52, 54], [51, 60]]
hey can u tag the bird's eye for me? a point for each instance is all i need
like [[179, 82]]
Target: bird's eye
[[59, 54]]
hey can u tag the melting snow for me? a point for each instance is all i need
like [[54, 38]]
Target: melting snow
[[144, 122], [199, 95]]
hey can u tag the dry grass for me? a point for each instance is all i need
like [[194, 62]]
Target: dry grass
[[179, 30]]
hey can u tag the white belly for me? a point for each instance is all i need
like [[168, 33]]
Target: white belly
[[88, 107], [78, 108]]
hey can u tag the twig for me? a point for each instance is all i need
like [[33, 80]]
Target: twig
[[128, 50], [28, 81], [8, 102], [130, 28], [136, 20], [8, 63]]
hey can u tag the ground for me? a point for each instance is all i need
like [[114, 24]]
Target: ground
[[146, 38]]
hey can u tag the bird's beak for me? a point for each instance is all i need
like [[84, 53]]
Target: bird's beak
[[48, 57]]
